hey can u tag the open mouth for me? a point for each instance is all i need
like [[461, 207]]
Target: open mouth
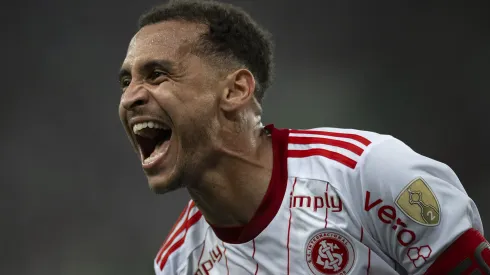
[[153, 139]]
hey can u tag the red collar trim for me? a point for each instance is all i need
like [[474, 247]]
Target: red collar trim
[[273, 197]]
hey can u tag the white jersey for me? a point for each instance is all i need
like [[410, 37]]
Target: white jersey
[[340, 201]]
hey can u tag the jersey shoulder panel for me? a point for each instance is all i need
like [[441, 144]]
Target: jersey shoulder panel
[[317, 153], [407, 201], [187, 234]]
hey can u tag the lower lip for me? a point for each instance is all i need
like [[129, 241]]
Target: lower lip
[[158, 158]]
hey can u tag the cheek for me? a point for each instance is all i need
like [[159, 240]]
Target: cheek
[[122, 113], [201, 109], [183, 102], [165, 95]]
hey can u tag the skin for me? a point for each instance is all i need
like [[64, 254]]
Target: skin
[[218, 149]]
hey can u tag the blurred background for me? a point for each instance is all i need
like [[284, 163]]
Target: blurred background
[[74, 199]]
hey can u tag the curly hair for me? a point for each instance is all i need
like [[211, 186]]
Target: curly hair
[[232, 36]]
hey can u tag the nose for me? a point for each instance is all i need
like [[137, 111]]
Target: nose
[[134, 97]]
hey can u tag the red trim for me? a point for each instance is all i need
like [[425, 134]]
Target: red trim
[[202, 252], [326, 209], [181, 216], [182, 227], [289, 225], [324, 153], [172, 249], [362, 234], [187, 210], [273, 197], [188, 224], [463, 257], [253, 257], [333, 142], [226, 259], [355, 137], [369, 261]]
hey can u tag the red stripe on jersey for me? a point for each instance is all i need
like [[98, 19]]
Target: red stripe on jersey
[[369, 261], [172, 249], [324, 153], [181, 216], [253, 257], [226, 259], [333, 142], [326, 210], [362, 233], [188, 224], [289, 225], [174, 233], [202, 252], [355, 137]]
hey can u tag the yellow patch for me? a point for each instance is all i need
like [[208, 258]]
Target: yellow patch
[[419, 203]]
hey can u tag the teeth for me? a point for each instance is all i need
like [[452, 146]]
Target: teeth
[[150, 124]]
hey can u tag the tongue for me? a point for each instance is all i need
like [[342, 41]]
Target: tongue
[[160, 148]]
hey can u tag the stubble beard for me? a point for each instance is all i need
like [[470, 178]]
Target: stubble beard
[[194, 157]]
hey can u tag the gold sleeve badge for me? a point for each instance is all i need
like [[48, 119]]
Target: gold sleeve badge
[[419, 203]]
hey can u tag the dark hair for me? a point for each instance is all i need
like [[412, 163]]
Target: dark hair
[[232, 34]]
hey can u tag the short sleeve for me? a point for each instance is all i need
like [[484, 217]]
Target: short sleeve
[[414, 206]]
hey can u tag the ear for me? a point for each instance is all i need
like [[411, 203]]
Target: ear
[[239, 90]]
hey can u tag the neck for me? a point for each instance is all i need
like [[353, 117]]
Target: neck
[[230, 193]]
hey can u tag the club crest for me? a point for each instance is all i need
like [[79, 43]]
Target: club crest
[[328, 252]]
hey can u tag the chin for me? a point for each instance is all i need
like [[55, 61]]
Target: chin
[[164, 184]]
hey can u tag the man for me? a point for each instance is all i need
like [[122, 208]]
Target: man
[[277, 201]]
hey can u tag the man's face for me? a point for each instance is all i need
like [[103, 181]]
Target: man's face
[[168, 106]]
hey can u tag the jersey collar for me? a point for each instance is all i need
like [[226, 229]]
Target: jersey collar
[[273, 197]]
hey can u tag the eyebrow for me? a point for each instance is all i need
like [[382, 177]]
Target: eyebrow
[[162, 64]]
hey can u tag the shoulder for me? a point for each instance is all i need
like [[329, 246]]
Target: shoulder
[[314, 153], [406, 201], [391, 160], [186, 235]]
